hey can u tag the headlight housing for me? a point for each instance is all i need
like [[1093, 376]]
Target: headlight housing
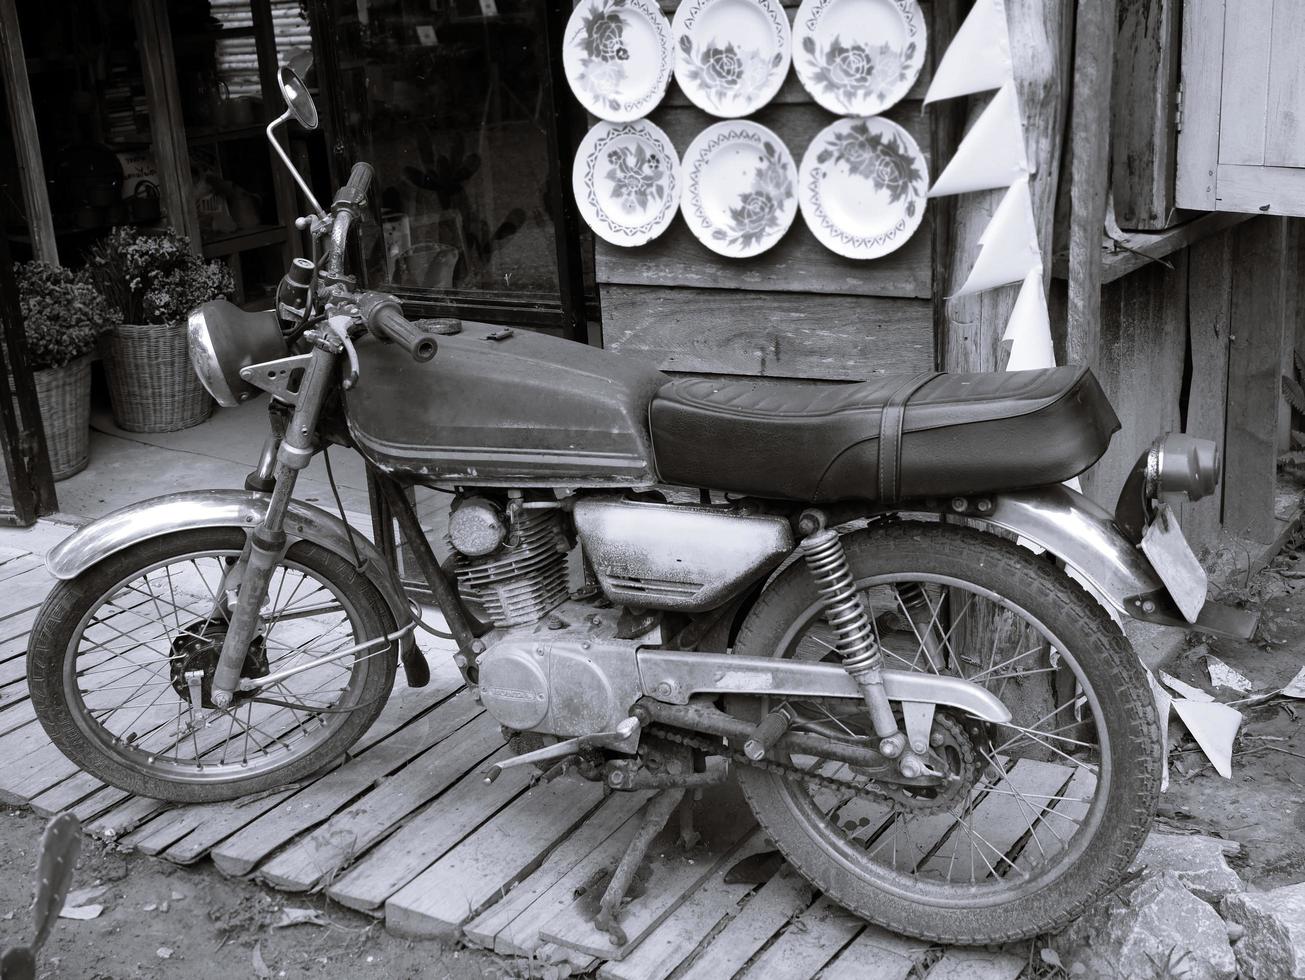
[[223, 339]]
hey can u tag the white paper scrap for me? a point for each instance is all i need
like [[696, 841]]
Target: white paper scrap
[[1162, 704], [991, 154], [1296, 686], [1188, 691], [1221, 675], [1214, 726], [978, 59]]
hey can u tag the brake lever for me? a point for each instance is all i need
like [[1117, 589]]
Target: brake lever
[[339, 327]]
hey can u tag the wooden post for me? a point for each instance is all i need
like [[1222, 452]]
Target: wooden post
[[1256, 327], [1094, 51], [167, 125], [1145, 97], [27, 143], [1040, 33]]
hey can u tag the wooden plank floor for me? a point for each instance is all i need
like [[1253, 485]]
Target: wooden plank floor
[[406, 830]]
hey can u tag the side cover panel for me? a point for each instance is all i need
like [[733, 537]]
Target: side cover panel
[[524, 410]]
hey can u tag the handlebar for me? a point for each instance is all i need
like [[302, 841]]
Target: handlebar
[[384, 318], [355, 191]]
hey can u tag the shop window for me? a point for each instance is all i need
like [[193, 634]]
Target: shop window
[[450, 101]]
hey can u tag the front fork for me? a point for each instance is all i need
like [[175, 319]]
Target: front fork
[[267, 542]]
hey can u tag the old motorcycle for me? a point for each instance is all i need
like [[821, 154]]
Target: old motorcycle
[[873, 604]]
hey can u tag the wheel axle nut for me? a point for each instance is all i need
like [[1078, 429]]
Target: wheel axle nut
[[910, 766]]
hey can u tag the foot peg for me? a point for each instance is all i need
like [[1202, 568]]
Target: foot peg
[[768, 731], [628, 728]]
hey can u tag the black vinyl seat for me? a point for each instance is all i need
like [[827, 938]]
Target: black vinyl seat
[[895, 437]]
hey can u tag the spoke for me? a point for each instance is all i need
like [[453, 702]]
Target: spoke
[[1005, 663]]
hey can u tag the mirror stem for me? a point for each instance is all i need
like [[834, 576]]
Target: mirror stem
[[285, 158]]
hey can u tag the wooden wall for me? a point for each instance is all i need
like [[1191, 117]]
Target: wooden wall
[[1197, 346], [797, 310]]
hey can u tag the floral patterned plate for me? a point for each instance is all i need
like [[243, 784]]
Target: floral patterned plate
[[861, 187], [739, 192], [627, 181], [617, 57], [858, 57], [731, 56]]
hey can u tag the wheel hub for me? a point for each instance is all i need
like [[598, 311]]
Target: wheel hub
[[198, 647], [952, 749]]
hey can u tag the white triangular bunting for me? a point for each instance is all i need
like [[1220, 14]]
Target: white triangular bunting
[[992, 153], [1214, 726], [1008, 246], [1029, 328], [978, 59]]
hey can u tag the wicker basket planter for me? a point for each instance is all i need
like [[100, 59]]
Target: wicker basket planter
[[152, 386], [64, 397]]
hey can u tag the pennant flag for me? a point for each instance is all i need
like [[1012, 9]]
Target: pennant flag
[[1008, 246], [978, 59], [1029, 328], [1214, 726], [992, 153]]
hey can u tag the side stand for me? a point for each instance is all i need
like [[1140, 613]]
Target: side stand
[[659, 811]]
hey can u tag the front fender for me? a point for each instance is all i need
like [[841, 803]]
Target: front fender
[[174, 512]]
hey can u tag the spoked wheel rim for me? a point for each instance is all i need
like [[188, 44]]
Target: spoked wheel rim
[[123, 686], [940, 853]]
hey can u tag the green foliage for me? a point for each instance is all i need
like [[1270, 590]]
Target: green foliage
[[154, 277], [62, 314]]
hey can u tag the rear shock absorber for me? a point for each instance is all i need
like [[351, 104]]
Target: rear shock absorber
[[847, 616]]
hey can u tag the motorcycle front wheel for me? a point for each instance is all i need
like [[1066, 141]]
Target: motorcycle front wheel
[[117, 653], [1037, 818]]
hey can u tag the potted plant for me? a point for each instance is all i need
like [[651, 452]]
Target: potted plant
[[153, 280], [63, 315]]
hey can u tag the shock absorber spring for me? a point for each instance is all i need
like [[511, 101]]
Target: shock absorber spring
[[854, 635]]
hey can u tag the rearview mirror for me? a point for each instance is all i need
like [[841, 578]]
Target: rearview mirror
[[297, 97]]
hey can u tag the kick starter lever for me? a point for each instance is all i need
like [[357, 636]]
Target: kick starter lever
[[628, 728]]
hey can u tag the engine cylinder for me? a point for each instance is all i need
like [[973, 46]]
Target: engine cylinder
[[521, 583]]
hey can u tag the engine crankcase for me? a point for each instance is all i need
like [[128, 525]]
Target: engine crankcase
[[567, 682]]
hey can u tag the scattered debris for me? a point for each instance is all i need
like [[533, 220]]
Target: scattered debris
[[261, 969], [1151, 921], [1296, 686], [1214, 726], [85, 896], [300, 917], [80, 912], [1199, 862], [1221, 675], [164, 952], [1273, 946], [1189, 691]]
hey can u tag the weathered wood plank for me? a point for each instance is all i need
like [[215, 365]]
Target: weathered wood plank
[[316, 803], [808, 943], [876, 953], [685, 929], [1250, 449], [1202, 75], [1284, 144], [1094, 56], [771, 334], [511, 925], [349, 834], [430, 834], [763, 915], [1261, 190], [721, 820], [454, 889], [1145, 96], [65, 795], [1245, 90], [1209, 299], [1060, 821]]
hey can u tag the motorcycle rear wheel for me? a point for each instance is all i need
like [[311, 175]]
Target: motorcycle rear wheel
[[108, 653], [924, 864]]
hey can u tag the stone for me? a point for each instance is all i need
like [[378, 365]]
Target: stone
[[1150, 926], [1273, 946], [1198, 861]]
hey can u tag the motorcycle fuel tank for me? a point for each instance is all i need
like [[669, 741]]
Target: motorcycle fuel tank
[[505, 408]]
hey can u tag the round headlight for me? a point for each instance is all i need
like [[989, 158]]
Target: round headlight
[[223, 339]]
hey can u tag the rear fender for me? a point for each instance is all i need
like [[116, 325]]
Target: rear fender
[[94, 542]]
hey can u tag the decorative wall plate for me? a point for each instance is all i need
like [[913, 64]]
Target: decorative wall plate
[[617, 57], [858, 57], [862, 187], [731, 56], [739, 191], [626, 179]]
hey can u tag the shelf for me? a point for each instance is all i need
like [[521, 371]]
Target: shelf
[[240, 241], [209, 134], [217, 34], [1139, 248]]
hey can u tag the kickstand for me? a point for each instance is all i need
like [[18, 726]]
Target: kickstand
[[655, 818]]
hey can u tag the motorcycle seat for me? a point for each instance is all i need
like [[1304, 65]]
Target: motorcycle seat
[[896, 437]]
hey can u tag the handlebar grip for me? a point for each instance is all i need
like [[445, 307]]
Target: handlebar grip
[[360, 181], [384, 318]]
